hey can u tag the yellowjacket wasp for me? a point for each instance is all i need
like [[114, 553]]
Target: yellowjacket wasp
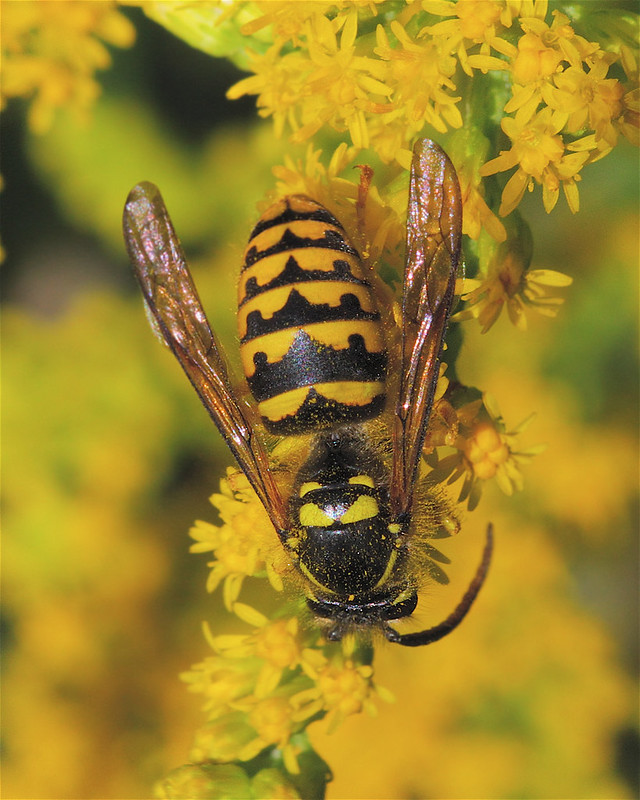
[[314, 352]]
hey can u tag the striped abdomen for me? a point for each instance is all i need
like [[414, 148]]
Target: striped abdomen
[[311, 341]]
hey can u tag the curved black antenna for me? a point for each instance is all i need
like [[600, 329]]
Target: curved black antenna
[[458, 614]]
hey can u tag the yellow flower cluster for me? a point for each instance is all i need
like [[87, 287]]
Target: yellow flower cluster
[[324, 68], [382, 94], [239, 543], [50, 52], [384, 74], [560, 110], [211, 780], [567, 112]]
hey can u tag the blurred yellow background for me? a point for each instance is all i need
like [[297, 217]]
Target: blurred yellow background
[[108, 458]]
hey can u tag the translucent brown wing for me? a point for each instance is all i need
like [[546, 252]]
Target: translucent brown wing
[[174, 305], [434, 228]]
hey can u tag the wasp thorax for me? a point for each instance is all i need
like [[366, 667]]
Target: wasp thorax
[[345, 542]]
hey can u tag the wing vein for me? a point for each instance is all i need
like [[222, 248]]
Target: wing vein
[[434, 229], [177, 315]]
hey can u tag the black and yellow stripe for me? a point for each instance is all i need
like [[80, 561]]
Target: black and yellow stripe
[[311, 340], [343, 536]]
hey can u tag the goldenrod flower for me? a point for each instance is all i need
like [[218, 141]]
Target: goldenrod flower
[[316, 65], [327, 84], [311, 177], [587, 99], [380, 227], [543, 39], [278, 82], [511, 284], [287, 19], [262, 688], [241, 721], [539, 153], [240, 543], [419, 76], [209, 780], [275, 643], [272, 718], [50, 52], [341, 85], [477, 22], [485, 450], [535, 59], [378, 75], [383, 96], [342, 687]]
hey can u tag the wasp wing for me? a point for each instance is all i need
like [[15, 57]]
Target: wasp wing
[[176, 311], [434, 228]]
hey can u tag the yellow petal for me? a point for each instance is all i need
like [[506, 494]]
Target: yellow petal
[[249, 615]]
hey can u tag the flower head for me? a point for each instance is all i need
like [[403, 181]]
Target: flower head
[[587, 99], [512, 285], [475, 23], [325, 83], [242, 544], [263, 688], [485, 450], [278, 82], [287, 20], [538, 152], [51, 51], [420, 76]]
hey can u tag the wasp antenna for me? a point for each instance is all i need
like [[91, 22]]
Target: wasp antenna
[[460, 612]]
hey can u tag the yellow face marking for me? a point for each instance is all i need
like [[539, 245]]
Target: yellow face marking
[[309, 486], [266, 269], [312, 515], [329, 292], [352, 393], [362, 480], [365, 507], [334, 334]]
